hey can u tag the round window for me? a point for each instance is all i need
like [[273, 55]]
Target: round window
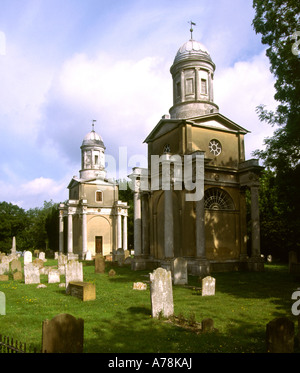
[[215, 147]]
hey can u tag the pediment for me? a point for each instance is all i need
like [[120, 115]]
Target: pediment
[[215, 121], [218, 121]]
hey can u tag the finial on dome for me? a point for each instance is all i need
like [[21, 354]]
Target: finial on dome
[[93, 125], [191, 29]]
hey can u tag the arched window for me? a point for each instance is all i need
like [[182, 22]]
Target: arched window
[[217, 199]]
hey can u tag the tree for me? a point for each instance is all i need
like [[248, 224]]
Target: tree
[[13, 222], [278, 23]]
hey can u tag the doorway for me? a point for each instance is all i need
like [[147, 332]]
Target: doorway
[[99, 244]]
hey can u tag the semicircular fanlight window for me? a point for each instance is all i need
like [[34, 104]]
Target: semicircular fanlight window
[[217, 199]]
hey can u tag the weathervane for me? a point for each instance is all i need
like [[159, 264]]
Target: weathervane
[[191, 29], [93, 124]]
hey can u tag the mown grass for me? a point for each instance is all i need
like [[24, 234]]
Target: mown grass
[[119, 320]]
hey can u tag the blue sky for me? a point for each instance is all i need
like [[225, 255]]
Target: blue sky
[[64, 63]]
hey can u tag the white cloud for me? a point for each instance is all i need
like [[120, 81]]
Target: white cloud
[[239, 90]]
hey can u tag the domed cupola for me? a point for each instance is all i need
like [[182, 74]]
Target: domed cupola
[[192, 72], [92, 156]]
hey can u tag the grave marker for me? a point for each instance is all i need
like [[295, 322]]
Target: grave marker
[[62, 334], [179, 271], [2, 304], [208, 285], [53, 276], [280, 335], [27, 257], [161, 293], [73, 272], [31, 274], [99, 264]]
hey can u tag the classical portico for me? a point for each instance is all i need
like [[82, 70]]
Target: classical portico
[[93, 219], [190, 202]]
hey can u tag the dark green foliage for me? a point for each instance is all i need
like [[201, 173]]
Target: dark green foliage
[[32, 228], [277, 21]]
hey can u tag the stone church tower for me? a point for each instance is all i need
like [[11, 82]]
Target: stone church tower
[[93, 219], [209, 231]]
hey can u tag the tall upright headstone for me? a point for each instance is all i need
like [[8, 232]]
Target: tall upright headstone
[[2, 304], [14, 247], [161, 293], [62, 334], [73, 272], [99, 264]]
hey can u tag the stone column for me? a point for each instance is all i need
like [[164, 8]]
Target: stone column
[[137, 224], [119, 230], [84, 233], [61, 231], [70, 232], [168, 224], [125, 241], [255, 224], [200, 229]]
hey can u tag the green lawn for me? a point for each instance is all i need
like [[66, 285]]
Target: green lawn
[[119, 320]]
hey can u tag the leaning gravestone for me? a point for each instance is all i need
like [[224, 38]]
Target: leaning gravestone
[[31, 274], [2, 304], [27, 257], [208, 285], [62, 334], [280, 335], [73, 272], [99, 264], [161, 293], [179, 270]]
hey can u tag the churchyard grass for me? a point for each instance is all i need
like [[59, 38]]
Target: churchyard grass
[[119, 320]]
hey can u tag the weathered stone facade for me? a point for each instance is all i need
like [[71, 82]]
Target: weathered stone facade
[[93, 219], [209, 229]]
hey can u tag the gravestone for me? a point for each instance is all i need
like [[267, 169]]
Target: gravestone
[[280, 335], [73, 272], [38, 262], [27, 257], [179, 271], [42, 256], [14, 247], [62, 260], [2, 304], [120, 257], [4, 278], [31, 274], [99, 264], [56, 255], [88, 255], [208, 286], [18, 276], [207, 325], [15, 265], [139, 286], [62, 334], [161, 293], [53, 276], [4, 266]]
